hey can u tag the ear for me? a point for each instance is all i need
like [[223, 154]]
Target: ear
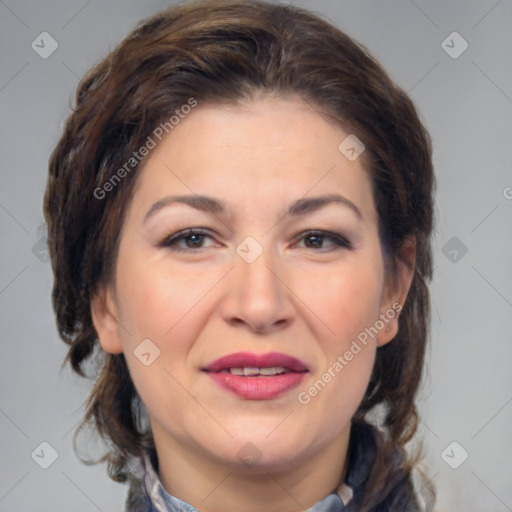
[[396, 289], [104, 318]]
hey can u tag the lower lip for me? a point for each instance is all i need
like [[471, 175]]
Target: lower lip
[[258, 388]]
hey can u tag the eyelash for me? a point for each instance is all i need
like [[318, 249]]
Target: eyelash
[[172, 241]]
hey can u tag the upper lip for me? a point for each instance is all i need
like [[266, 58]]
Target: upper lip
[[252, 360]]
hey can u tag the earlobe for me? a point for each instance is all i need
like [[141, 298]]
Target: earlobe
[[104, 315], [396, 290]]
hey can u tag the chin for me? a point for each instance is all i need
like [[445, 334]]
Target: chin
[[274, 451], [252, 458]]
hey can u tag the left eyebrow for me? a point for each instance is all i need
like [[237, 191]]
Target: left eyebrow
[[307, 205], [215, 206]]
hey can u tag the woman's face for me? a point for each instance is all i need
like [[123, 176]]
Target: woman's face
[[287, 264]]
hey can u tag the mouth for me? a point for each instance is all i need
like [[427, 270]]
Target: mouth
[[248, 371], [251, 364], [257, 376]]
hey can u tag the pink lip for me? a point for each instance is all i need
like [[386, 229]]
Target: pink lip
[[257, 387], [249, 359]]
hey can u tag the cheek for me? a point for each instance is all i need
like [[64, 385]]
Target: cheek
[[161, 305], [158, 299], [346, 299]]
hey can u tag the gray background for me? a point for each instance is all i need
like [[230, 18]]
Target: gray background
[[466, 103]]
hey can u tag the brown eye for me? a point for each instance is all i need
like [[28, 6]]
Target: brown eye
[[317, 240], [188, 240]]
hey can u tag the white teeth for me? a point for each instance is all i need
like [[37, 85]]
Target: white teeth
[[274, 370], [268, 371], [251, 371]]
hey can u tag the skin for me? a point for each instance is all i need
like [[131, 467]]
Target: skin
[[301, 296]]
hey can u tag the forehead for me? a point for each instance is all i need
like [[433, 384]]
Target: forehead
[[267, 151]]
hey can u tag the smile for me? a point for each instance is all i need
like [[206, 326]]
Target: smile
[[257, 377], [251, 372]]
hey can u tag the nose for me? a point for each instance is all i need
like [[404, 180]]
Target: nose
[[256, 295]]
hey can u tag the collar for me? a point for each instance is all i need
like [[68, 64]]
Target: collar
[[157, 499], [147, 494]]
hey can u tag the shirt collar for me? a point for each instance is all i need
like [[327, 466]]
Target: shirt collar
[[163, 501]]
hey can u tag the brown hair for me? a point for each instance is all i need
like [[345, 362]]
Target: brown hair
[[224, 52]]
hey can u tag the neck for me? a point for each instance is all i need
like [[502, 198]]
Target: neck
[[211, 485]]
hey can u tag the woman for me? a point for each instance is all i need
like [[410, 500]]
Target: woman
[[239, 215]]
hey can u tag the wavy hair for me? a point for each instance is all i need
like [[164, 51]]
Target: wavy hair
[[224, 52]]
